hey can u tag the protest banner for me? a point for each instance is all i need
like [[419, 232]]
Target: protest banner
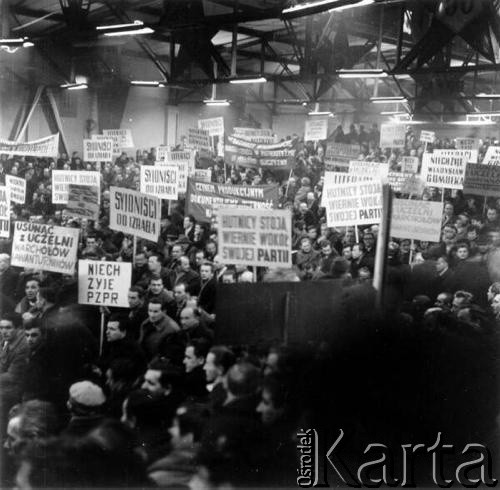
[[47, 147], [98, 150], [4, 212], [214, 126], [416, 220], [482, 180], [357, 203], [427, 136], [160, 181], [492, 156], [199, 139], [161, 152], [413, 186], [44, 247], [277, 163], [466, 143], [445, 168], [392, 136], [316, 129], [104, 283], [237, 155], [61, 179], [123, 137], [203, 198], [203, 175], [410, 164], [239, 142], [256, 237], [374, 170], [134, 213], [338, 155], [116, 142], [184, 160], [332, 179], [254, 135], [17, 188], [83, 201], [397, 180]]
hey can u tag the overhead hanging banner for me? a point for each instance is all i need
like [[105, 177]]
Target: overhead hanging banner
[[44, 247], [392, 136], [256, 237], [4, 212], [160, 181], [358, 203], [199, 139], [254, 135], [410, 164], [427, 136], [416, 220], [83, 202], [98, 150], [104, 283], [445, 168], [316, 129], [492, 156], [123, 137], [203, 198], [240, 156], [61, 179], [44, 147], [134, 213], [17, 188], [482, 180], [214, 126]]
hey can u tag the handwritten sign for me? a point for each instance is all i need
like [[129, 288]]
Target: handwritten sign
[[4, 212], [17, 188], [416, 220], [99, 150], [83, 201], [257, 237], [160, 181], [104, 283], [492, 156], [410, 164], [134, 213], [199, 139], [61, 179], [483, 180], [316, 129], [123, 137], [445, 168], [214, 126], [392, 136], [427, 136], [44, 247]]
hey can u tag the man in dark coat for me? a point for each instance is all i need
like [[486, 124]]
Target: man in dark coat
[[208, 292]]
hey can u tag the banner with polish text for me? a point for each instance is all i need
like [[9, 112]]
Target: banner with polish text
[[255, 237], [44, 247], [47, 147]]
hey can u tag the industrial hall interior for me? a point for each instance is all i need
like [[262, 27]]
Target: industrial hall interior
[[249, 244]]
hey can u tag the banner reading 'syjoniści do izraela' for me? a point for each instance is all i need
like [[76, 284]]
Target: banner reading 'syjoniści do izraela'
[[203, 198], [44, 247], [134, 213]]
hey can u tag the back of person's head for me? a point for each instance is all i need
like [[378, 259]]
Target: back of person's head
[[13, 317], [171, 375], [192, 419], [121, 319], [38, 419], [224, 357], [200, 347], [243, 379], [142, 406], [281, 275]]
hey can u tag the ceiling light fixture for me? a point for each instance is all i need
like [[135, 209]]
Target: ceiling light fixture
[[132, 29], [369, 73], [310, 8], [392, 113], [488, 96], [74, 86], [11, 45], [146, 83], [385, 100], [320, 113], [216, 102], [248, 80]]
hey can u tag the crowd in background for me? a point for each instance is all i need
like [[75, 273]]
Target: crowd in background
[[164, 404]]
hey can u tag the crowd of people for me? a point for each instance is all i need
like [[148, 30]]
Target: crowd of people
[[160, 402]]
